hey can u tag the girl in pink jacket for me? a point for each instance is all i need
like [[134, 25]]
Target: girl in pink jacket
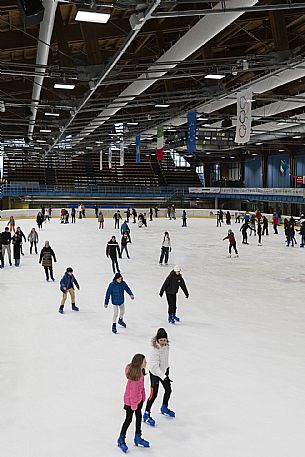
[[133, 400]]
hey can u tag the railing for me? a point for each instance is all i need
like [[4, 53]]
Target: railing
[[247, 191], [87, 190]]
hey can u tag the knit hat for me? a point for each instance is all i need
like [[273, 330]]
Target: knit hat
[[177, 268], [161, 333], [117, 276]]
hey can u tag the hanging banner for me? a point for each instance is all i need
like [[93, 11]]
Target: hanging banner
[[191, 131], [122, 154], [138, 152], [110, 157], [244, 118], [160, 143], [283, 167], [101, 160]]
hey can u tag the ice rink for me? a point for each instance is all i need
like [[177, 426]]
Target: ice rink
[[237, 357]]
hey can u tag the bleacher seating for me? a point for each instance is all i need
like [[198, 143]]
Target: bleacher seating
[[83, 170]]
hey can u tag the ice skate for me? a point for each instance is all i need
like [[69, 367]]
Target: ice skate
[[171, 320], [167, 412], [122, 444], [122, 323], [176, 318], [148, 420], [138, 440], [229, 256], [61, 310], [114, 330], [236, 256], [74, 308]]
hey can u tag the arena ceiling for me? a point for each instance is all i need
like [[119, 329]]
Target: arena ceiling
[[148, 66]]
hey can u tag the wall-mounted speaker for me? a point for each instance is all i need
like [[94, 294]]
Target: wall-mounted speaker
[[31, 11]]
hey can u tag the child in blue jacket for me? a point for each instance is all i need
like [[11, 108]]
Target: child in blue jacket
[[67, 285], [116, 291]]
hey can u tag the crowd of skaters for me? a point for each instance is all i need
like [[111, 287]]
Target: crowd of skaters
[[159, 365]]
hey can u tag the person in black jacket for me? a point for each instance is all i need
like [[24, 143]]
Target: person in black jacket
[[39, 220], [6, 244], [170, 287], [16, 242], [112, 249], [117, 216], [21, 235], [73, 216], [124, 242], [46, 256], [265, 226]]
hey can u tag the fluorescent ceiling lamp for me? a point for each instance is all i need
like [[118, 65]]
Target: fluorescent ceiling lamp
[[258, 144], [254, 154], [41, 141], [297, 137], [51, 114], [214, 76], [99, 142], [161, 105], [202, 118], [64, 86], [132, 123], [281, 150], [45, 130], [92, 16], [232, 157], [283, 123]]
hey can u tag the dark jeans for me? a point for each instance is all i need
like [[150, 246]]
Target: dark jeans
[[1, 257], [128, 420], [116, 223], [124, 248], [47, 271], [234, 247], [172, 306], [245, 237], [260, 237], [72, 219], [31, 247], [154, 388], [265, 229], [275, 229], [218, 222], [164, 254], [183, 222], [115, 264]]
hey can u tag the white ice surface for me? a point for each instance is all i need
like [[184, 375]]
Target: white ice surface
[[237, 357]]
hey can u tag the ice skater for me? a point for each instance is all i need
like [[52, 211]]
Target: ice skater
[[265, 226], [218, 219], [46, 256], [165, 249], [100, 220], [243, 229], [184, 218], [21, 235], [124, 242], [67, 285], [11, 223], [16, 242], [228, 218], [115, 291], [6, 245], [117, 217], [171, 286], [159, 373], [259, 233], [232, 242], [134, 398], [33, 240], [275, 222], [112, 249], [302, 233]]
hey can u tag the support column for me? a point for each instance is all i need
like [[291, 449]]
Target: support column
[[265, 169], [292, 169], [216, 203]]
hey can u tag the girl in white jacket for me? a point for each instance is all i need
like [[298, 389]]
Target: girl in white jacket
[[159, 372], [165, 248]]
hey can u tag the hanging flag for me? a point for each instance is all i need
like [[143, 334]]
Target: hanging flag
[[138, 145], [122, 154], [283, 167], [101, 160], [110, 157], [160, 143], [244, 118], [191, 131]]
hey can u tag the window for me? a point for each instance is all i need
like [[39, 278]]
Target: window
[[179, 160]]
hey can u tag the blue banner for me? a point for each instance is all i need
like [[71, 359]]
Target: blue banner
[[191, 131], [138, 152]]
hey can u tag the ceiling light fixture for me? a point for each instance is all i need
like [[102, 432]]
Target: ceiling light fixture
[[51, 114], [64, 86], [45, 130], [132, 123], [92, 16], [214, 76], [161, 105], [258, 144], [296, 137], [281, 150]]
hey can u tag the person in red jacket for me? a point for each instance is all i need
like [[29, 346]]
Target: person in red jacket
[[275, 222], [232, 242], [133, 400]]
